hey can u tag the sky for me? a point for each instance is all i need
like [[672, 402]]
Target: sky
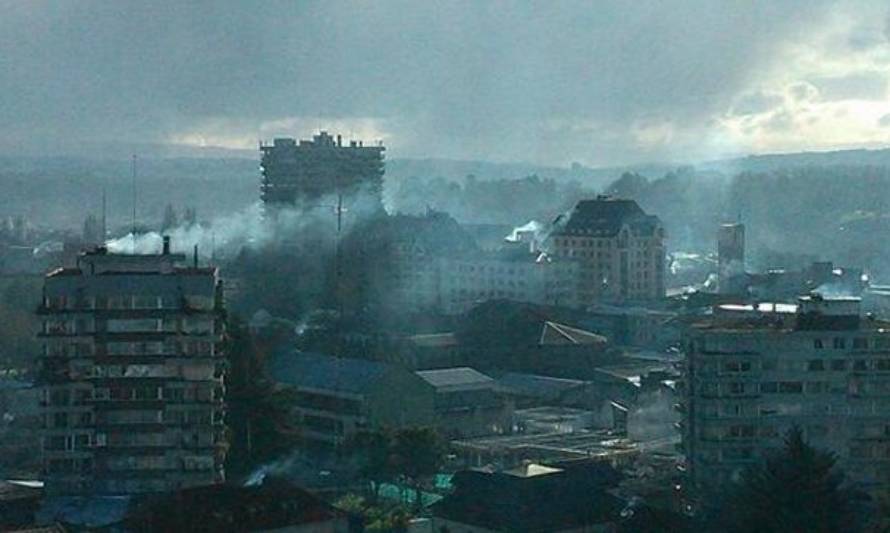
[[551, 82]]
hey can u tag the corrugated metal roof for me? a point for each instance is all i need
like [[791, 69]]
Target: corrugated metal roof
[[457, 377], [315, 371]]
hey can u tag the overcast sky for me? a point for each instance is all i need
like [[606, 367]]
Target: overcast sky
[[548, 82]]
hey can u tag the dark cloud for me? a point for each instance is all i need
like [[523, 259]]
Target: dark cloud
[[539, 81]]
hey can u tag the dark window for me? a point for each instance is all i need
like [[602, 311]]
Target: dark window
[[838, 364], [791, 387], [816, 365], [817, 344], [769, 387], [840, 343], [860, 343]]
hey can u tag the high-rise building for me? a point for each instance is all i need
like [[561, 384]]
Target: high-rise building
[[731, 259], [620, 249], [301, 173], [132, 370], [755, 371]]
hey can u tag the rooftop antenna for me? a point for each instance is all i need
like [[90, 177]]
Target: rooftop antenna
[[104, 217], [134, 203]]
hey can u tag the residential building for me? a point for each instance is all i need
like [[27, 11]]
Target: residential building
[[753, 372], [468, 403], [531, 497], [620, 248], [302, 173], [337, 397], [275, 505], [132, 369], [513, 273]]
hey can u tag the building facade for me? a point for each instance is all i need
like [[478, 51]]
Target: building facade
[[620, 250], [753, 372], [133, 373], [300, 173], [338, 397]]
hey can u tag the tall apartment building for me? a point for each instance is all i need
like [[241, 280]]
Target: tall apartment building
[[620, 250], [755, 371], [301, 173], [133, 373]]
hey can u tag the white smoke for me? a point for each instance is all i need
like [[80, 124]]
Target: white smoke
[[533, 226], [226, 235], [243, 228]]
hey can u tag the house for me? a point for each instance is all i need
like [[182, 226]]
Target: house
[[337, 397], [530, 498], [275, 505], [468, 403]]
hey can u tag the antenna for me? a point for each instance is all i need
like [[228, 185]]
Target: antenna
[[134, 204], [104, 217]]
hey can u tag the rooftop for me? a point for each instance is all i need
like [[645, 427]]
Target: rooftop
[[554, 334], [605, 216], [315, 371], [458, 378]]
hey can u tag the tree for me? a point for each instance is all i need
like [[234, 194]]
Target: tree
[[796, 489], [259, 414], [370, 453], [417, 453]]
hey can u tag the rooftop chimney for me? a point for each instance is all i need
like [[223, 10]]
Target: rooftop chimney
[[166, 245]]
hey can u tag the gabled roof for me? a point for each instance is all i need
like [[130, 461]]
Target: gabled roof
[[455, 378], [323, 372], [604, 217], [554, 334]]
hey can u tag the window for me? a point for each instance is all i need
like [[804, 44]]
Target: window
[[860, 343], [817, 344], [860, 365], [790, 387], [816, 365], [816, 387], [838, 364], [840, 343], [768, 364], [736, 388], [769, 387], [882, 364]]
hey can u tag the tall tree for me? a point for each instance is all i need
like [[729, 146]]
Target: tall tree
[[417, 453], [796, 489], [370, 452]]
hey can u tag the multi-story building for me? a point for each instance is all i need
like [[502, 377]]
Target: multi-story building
[[132, 367], [468, 403], [755, 371], [621, 250], [337, 397], [516, 274], [301, 173]]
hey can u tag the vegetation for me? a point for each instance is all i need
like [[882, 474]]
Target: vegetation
[[259, 416], [412, 456], [796, 489]]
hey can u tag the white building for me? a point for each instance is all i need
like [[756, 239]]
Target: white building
[[753, 372]]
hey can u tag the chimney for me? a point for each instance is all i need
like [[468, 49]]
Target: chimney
[[195, 257], [339, 140], [166, 245]]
